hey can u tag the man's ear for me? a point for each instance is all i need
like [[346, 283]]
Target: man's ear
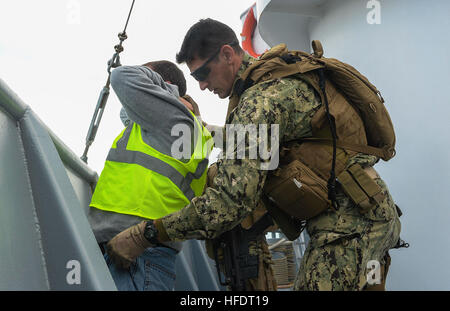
[[228, 53]]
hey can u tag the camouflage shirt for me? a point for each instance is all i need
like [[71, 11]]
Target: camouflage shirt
[[288, 102]]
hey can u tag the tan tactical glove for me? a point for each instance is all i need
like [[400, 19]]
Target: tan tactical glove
[[125, 247]]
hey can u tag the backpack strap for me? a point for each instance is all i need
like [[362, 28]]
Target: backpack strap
[[318, 49], [383, 153]]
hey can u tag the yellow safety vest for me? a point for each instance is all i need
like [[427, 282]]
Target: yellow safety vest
[[139, 180]]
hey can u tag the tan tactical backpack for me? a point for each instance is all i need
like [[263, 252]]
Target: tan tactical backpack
[[352, 119]]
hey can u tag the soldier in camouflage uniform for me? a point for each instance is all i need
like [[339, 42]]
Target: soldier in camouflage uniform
[[342, 242]]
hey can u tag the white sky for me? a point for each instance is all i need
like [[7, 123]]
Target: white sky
[[53, 55]]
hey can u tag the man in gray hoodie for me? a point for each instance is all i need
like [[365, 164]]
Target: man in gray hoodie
[[151, 98]]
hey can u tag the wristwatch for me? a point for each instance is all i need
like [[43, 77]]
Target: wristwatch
[[151, 233]]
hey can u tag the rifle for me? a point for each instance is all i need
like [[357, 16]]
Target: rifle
[[238, 264]]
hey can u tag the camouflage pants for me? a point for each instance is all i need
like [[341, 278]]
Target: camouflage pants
[[344, 241]]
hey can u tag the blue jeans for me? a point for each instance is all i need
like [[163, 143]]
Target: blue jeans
[[154, 270]]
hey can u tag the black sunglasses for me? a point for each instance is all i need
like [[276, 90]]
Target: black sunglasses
[[201, 73]]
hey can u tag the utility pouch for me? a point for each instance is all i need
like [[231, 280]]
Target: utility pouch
[[289, 225], [360, 186], [298, 191]]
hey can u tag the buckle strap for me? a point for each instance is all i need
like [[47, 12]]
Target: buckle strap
[[360, 186], [384, 153]]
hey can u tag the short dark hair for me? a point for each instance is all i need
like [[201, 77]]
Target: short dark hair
[[169, 72], [204, 39]]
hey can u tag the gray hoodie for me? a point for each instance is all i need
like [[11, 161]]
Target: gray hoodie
[[154, 105]]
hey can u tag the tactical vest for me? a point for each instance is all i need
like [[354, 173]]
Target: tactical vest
[[352, 112], [139, 180]]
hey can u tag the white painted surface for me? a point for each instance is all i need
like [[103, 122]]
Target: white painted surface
[[407, 57]]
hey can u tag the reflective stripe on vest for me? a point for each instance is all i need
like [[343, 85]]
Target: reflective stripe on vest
[[141, 181], [121, 154]]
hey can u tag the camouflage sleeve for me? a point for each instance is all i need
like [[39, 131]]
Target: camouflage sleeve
[[239, 182]]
